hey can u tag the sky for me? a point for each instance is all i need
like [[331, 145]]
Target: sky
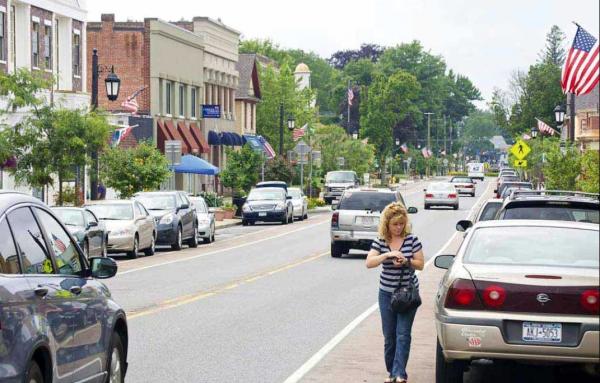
[[485, 40]]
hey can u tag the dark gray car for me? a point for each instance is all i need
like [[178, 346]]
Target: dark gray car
[[90, 233], [59, 324]]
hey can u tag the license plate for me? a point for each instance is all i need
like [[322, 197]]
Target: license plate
[[262, 214], [542, 332], [440, 196], [367, 221]]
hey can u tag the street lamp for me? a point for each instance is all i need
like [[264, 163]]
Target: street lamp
[[290, 124], [355, 136], [113, 85], [397, 142], [559, 114], [534, 132]]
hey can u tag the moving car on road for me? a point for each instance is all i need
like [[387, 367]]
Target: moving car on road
[[476, 170], [441, 194], [131, 228], [336, 182], [90, 233], [175, 218], [299, 202], [464, 185], [268, 204], [509, 295], [354, 225], [58, 323], [205, 219]]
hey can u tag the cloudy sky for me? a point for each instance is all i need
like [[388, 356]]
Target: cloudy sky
[[483, 39]]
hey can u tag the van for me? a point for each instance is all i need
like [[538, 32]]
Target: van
[[476, 170], [336, 182]]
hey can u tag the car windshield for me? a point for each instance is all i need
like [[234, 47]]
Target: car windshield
[[555, 213], [340, 177], [199, 205], [441, 186], [372, 201], [70, 217], [295, 193], [509, 178], [157, 201], [522, 185], [118, 212], [509, 190], [489, 211], [266, 194], [461, 180], [517, 245]]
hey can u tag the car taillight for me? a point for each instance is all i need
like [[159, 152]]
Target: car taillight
[[462, 295], [428, 195], [494, 296], [469, 186], [451, 195], [590, 301], [335, 219]]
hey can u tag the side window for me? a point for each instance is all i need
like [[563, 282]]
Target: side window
[[90, 217], [144, 210], [9, 262], [65, 251], [179, 199], [139, 211], [28, 237]]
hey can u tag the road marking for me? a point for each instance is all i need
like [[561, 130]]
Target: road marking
[[191, 298], [316, 358], [220, 250]]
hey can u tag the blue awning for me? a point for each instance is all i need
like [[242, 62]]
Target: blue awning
[[213, 138], [195, 165], [226, 139], [237, 139]]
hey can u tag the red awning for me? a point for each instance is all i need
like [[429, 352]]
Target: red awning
[[185, 149], [199, 137], [162, 135], [187, 137]]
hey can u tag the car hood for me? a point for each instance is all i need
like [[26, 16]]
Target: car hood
[[264, 202], [160, 213], [112, 225], [339, 184]]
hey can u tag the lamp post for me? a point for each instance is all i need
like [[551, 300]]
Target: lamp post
[[290, 124], [559, 117], [113, 86]]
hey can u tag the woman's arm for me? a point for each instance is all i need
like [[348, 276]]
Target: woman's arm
[[418, 260], [375, 258]]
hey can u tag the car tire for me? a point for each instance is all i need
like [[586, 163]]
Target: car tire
[[178, 244], [284, 221], [193, 242], [115, 366], [305, 215], [152, 249], [244, 222], [336, 250], [34, 373], [455, 207], [427, 207], [473, 194], [133, 254], [447, 372]]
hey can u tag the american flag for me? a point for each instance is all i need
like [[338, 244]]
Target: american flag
[[267, 147], [299, 132], [120, 134], [58, 244], [425, 152], [545, 128], [350, 96], [429, 153], [581, 72], [404, 148]]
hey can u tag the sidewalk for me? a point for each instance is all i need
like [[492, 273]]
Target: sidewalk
[[237, 221]]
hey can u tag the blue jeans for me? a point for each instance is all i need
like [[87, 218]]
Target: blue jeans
[[396, 332]]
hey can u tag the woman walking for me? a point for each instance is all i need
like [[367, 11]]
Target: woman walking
[[400, 253]]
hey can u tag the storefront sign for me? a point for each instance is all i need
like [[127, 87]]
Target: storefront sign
[[211, 111]]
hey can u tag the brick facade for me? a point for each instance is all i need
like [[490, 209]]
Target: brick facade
[[4, 33], [40, 15], [125, 45]]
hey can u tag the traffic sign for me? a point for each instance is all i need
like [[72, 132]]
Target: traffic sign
[[520, 163], [520, 149]]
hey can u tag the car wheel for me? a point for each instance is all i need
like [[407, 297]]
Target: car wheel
[[291, 218], [455, 207], [306, 215], [178, 240], [116, 360], [34, 373], [193, 242], [133, 254], [473, 194], [285, 220], [447, 372], [427, 207], [336, 250], [152, 249], [244, 222]]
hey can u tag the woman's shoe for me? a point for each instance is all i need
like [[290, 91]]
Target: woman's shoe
[[390, 380], [400, 380]]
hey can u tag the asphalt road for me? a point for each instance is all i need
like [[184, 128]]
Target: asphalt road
[[256, 304]]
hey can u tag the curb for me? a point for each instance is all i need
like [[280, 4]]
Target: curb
[[229, 224]]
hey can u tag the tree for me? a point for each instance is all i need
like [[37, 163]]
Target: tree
[[561, 171], [135, 169], [554, 53], [371, 52], [590, 170], [242, 169], [333, 142], [278, 169]]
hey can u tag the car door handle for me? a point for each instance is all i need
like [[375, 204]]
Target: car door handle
[[75, 290], [41, 291]]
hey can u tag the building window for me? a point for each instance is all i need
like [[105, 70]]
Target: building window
[[48, 46], [181, 100], [35, 45], [76, 54], [193, 104], [168, 98], [2, 39]]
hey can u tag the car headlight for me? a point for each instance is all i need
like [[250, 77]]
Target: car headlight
[[280, 205], [203, 221], [167, 219], [246, 208], [121, 232]]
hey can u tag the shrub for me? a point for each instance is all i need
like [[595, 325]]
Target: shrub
[[315, 202], [212, 199], [453, 173]]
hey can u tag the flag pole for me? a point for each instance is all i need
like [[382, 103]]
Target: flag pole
[[348, 99]]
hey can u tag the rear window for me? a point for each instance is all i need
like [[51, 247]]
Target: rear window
[[555, 213], [441, 187], [366, 201], [517, 246], [461, 180], [489, 211]]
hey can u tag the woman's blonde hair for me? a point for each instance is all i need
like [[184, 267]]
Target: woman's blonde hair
[[394, 212]]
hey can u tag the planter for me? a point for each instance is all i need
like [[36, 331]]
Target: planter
[[219, 215], [229, 214]]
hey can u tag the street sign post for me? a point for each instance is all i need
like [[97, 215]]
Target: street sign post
[[302, 150], [341, 161], [520, 149]]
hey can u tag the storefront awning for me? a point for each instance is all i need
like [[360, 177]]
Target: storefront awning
[[213, 138], [184, 131], [185, 149], [195, 165], [199, 137]]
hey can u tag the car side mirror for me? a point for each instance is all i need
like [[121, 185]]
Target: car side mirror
[[412, 210], [103, 268], [463, 225], [288, 197], [334, 204], [93, 224], [444, 261], [424, 190], [184, 206]]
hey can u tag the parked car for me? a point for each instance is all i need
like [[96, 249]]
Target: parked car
[[488, 210], [441, 194], [272, 184], [175, 217], [512, 184], [464, 185], [354, 224], [503, 179], [90, 233], [508, 172], [299, 203], [130, 227], [205, 219], [268, 204], [336, 182], [476, 170], [519, 290], [508, 190], [551, 205], [59, 324]]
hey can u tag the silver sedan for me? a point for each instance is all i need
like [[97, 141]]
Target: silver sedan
[[300, 203], [206, 219], [441, 194]]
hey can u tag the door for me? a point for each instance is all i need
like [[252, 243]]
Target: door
[[143, 221], [87, 347], [95, 233], [186, 215]]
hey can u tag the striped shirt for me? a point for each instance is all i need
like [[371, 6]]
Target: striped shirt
[[392, 276]]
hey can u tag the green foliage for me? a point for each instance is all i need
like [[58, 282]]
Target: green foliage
[[129, 171], [315, 202], [554, 52], [561, 171], [278, 169], [333, 142], [590, 171], [242, 169], [23, 86], [212, 199]]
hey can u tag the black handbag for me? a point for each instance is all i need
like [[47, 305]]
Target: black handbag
[[406, 297]]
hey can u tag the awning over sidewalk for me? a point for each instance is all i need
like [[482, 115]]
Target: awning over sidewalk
[[199, 137], [184, 131], [195, 165], [213, 138]]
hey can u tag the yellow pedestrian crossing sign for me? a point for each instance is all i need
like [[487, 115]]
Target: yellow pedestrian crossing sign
[[520, 149], [520, 163]]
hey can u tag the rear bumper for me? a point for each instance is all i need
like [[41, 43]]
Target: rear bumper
[[441, 202], [466, 190], [354, 239]]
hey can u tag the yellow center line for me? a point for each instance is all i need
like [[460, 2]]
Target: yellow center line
[[191, 298]]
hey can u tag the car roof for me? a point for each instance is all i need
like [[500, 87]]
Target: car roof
[[11, 198], [537, 223], [271, 183], [169, 192], [553, 195], [367, 189], [268, 189], [110, 202]]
